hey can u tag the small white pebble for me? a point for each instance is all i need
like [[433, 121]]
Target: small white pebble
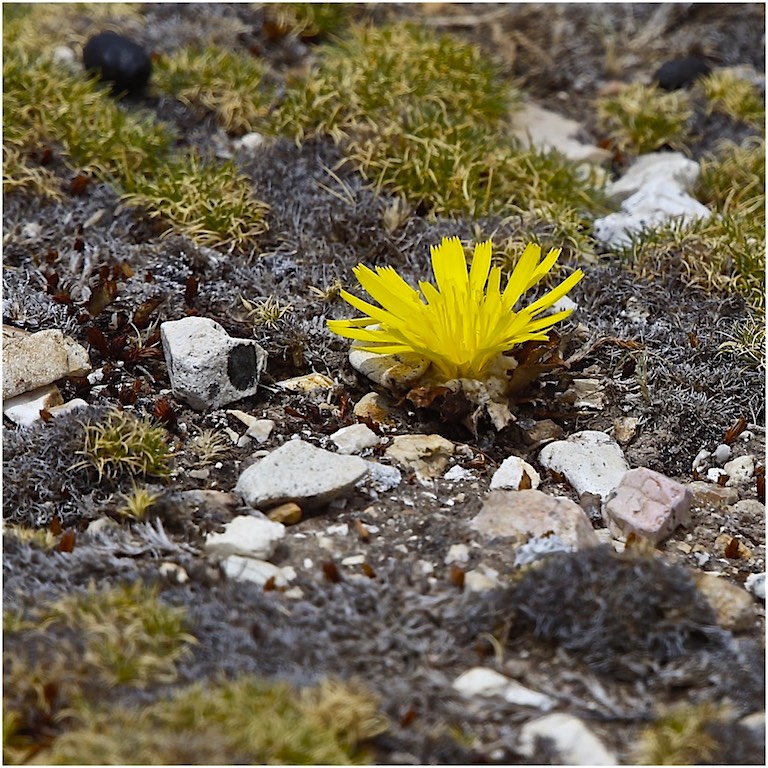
[[722, 453]]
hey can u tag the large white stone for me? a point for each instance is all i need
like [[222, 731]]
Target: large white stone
[[246, 536], [207, 367], [656, 204], [573, 741], [32, 360], [257, 571], [300, 472], [25, 409], [591, 461]]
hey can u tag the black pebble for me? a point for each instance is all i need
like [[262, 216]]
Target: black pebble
[[119, 61], [680, 73]]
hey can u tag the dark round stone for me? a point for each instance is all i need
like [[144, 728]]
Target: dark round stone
[[119, 61], [680, 73]]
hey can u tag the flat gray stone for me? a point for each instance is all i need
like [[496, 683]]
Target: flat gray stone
[[647, 504], [207, 367], [591, 461], [299, 472], [523, 515]]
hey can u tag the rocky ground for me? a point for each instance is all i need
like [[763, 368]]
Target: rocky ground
[[400, 557]]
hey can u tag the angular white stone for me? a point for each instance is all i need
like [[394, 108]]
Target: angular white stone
[[25, 409], [755, 584], [479, 581], [260, 430], [257, 571], [354, 438], [655, 205], [457, 472], [722, 453], [510, 474], [672, 167], [591, 461], [573, 741], [481, 681], [246, 536], [32, 360], [207, 367], [457, 553], [300, 472], [740, 471], [382, 477]]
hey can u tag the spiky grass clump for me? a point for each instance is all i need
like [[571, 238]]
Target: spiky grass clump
[[642, 118], [227, 83], [266, 312], [75, 649], [21, 174], [137, 503], [308, 20], [211, 203], [682, 736], [124, 445], [248, 721], [211, 446], [735, 96]]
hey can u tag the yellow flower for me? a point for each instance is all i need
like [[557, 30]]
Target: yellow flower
[[462, 323]]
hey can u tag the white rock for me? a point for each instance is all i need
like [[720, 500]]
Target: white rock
[[510, 474], [257, 571], [701, 461], [540, 546], [714, 474], [546, 130], [591, 461], [353, 560], [381, 477], [722, 453], [755, 584], [573, 741], [246, 536], [391, 371], [740, 471], [70, 405], [207, 367], [457, 553], [673, 167], [260, 430], [250, 142], [32, 360], [481, 579], [300, 472], [355, 438], [25, 409], [480, 681], [655, 205], [457, 472]]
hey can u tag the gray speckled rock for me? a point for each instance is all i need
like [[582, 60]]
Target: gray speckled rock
[[300, 472], [207, 367]]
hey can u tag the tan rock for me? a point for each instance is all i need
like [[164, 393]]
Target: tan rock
[[523, 515], [712, 495], [287, 514], [32, 360], [733, 606], [307, 383], [427, 455], [375, 407]]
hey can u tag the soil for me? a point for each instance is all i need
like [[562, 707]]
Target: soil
[[403, 622]]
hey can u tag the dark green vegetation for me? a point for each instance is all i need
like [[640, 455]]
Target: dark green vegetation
[[381, 134]]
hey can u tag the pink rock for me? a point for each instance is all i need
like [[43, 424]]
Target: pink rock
[[647, 504], [523, 515]]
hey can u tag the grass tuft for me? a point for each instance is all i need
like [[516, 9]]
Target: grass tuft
[[123, 444], [226, 83], [735, 96], [642, 118]]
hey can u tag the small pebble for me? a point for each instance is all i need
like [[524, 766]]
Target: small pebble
[[119, 61], [722, 453], [755, 584]]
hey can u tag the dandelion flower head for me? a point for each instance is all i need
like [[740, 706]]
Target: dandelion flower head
[[463, 321]]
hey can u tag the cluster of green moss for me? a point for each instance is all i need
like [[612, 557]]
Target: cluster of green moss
[[46, 106], [425, 117]]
